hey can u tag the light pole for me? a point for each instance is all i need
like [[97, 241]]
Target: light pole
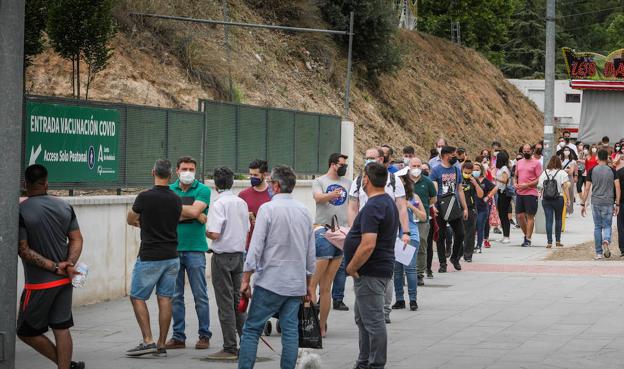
[[549, 98]]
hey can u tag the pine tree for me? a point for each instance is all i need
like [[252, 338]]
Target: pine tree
[[524, 52], [35, 21]]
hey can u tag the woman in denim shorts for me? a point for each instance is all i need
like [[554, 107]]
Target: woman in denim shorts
[[328, 259]]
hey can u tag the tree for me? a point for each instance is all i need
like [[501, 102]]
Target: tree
[[484, 23], [375, 27], [35, 21], [615, 33], [81, 30], [524, 52]]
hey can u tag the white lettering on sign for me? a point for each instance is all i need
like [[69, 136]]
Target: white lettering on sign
[[72, 126]]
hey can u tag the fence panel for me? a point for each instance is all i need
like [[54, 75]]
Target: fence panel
[[220, 143], [281, 138], [252, 132], [146, 142], [329, 139], [186, 131], [306, 143]]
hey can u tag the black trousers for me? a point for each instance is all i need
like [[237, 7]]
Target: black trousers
[[430, 243], [457, 226], [470, 228], [503, 205]]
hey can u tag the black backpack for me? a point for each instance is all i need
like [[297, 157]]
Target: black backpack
[[358, 183], [551, 191]]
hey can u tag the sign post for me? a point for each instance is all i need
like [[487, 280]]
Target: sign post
[[75, 144]]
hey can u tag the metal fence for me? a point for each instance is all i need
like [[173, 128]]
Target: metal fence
[[220, 134]]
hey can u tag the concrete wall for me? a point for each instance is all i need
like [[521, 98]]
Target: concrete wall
[[111, 246]]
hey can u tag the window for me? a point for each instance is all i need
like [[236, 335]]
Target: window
[[573, 98]]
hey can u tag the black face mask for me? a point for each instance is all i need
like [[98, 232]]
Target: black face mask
[[342, 170], [425, 173], [453, 160], [526, 155]]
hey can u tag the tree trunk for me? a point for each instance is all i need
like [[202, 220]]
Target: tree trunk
[[78, 75], [88, 82], [73, 78]]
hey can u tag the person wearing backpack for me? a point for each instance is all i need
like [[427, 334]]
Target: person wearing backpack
[[553, 183]]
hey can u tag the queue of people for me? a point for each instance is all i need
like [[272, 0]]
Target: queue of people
[[266, 238]]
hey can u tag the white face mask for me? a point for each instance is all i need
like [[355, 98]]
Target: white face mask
[[406, 161], [586, 152], [415, 172], [439, 150], [187, 177]]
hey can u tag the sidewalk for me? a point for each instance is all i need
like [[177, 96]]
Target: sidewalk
[[508, 309]]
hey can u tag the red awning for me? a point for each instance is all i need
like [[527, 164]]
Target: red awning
[[579, 84]]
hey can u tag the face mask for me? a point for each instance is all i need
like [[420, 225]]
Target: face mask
[[406, 161], [453, 160], [416, 172], [594, 150], [496, 153], [617, 148], [476, 173], [439, 149], [466, 175], [425, 173], [586, 152], [342, 170], [566, 153], [526, 155], [255, 181], [368, 161], [187, 177]]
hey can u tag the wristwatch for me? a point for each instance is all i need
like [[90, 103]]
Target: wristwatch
[[56, 267], [407, 233]]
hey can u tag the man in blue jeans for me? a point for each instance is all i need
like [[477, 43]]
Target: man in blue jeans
[[603, 183], [192, 247], [282, 253]]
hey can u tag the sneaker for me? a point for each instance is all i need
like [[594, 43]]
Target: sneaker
[[430, 273], [505, 240], [174, 344], [526, 243], [511, 221], [223, 355], [77, 365], [203, 343], [398, 305], [339, 305], [487, 244], [162, 352], [142, 349], [442, 269], [456, 265], [496, 230], [559, 244], [468, 260], [549, 246], [478, 250], [388, 321], [605, 248], [421, 280], [597, 257], [413, 305]]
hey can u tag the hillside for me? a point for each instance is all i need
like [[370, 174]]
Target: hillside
[[442, 89]]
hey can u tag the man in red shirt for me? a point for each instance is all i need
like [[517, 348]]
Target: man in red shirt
[[258, 193]]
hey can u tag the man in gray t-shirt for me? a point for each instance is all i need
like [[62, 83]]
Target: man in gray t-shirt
[[50, 244], [605, 198], [331, 191]]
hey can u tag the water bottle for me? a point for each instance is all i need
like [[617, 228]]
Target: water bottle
[[79, 280]]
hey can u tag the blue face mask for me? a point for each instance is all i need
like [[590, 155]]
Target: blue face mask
[[368, 161], [476, 173], [255, 182]]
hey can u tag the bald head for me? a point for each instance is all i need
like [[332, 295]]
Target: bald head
[[415, 163]]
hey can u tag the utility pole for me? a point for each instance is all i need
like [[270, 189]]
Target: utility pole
[[11, 94], [549, 98]]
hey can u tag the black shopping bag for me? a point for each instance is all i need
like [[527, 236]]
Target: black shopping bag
[[309, 327]]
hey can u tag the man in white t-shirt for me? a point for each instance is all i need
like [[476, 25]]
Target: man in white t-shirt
[[396, 190]]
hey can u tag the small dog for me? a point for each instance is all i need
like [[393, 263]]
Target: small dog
[[307, 359]]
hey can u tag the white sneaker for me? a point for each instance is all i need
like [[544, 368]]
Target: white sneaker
[[597, 257], [506, 240]]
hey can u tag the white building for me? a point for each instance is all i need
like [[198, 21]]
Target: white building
[[567, 100]]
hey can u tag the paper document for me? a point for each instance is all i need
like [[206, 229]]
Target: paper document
[[402, 253]]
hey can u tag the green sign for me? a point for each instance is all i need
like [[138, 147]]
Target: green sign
[[75, 144]]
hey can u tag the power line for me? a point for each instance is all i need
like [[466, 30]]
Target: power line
[[592, 12]]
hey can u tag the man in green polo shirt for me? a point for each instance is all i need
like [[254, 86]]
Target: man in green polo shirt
[[425, 189], [192, 247]]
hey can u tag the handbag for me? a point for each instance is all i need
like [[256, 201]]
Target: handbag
[[309, 327], [335, 233], [449, 207]]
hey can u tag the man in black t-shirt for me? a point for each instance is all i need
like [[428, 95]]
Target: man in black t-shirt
[[157, 212], [369, 256]]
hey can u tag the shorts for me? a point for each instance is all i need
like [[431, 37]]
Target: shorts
[[40, 309], [324, 248], [159, 274], [526, 204]]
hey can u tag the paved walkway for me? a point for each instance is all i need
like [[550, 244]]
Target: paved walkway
[[508, 309]]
